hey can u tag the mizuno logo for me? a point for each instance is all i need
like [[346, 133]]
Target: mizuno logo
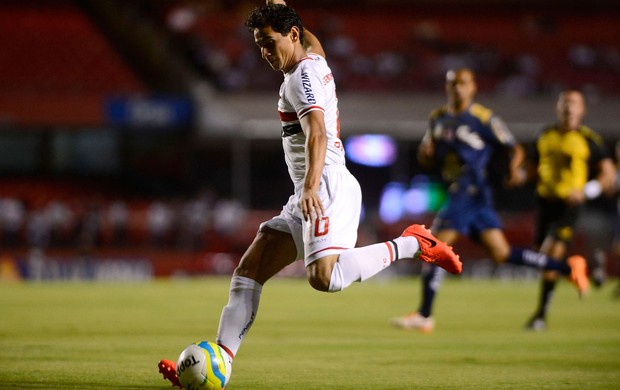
[[247, 327]]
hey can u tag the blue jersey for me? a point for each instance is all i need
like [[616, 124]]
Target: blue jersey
[[464, 143]]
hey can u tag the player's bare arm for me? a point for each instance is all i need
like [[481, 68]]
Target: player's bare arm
[[576, 197], [311, 42], [516, 175], [426, 152], [607, 175], [604, 179], [313, 125]]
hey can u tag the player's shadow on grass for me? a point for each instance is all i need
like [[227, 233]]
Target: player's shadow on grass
[[77, 385]]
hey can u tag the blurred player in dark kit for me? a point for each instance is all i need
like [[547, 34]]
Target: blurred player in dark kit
[[571, 166], [459, 142]]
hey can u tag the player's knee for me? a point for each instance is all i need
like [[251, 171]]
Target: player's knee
[[247, 268], [319, 276], [245, 272], [500, 256], [551, 276], [319, 284], [500, 253]]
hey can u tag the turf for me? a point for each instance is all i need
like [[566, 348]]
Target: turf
[[111, 336]]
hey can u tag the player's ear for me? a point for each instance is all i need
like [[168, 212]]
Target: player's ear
[[474, 87], [294, 34]]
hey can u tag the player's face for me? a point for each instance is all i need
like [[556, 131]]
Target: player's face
[[460, 88], [277, 49], [571, 108]]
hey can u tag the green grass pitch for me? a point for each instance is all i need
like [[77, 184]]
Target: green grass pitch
[[111, 336]]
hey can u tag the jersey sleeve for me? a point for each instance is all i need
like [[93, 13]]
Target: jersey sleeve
[[534, 152], [498, 131], [432, 120], [306, 92], [598, 150], [501, 132]]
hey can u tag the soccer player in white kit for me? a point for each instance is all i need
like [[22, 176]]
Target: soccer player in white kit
[[320, 220]]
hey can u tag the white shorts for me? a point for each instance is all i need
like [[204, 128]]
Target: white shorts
[[337, 229]]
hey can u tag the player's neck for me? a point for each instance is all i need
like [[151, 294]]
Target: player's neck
[[566, 127], [457, 108], [298, 56]]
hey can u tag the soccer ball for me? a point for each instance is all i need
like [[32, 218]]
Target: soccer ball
[[204, 366]]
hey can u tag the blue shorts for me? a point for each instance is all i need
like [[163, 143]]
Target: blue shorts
[[469, 215]]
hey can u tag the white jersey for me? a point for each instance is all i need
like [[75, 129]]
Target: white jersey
[[307, 87], [310, 86]]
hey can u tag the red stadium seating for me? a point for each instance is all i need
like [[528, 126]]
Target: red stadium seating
[[56, 66], [500, 34]]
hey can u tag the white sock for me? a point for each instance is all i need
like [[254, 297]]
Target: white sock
[[359, 264], [407, 246], [239, 314]]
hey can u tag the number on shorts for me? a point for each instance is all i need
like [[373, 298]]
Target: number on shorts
[[321, 226]]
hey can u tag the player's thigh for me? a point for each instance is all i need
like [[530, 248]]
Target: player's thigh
[[336, 230], [494, 240], [269, 253], [448, 236]]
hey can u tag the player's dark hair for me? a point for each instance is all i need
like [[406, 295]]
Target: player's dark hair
[[462, 69], [280, 17], [571, 89]]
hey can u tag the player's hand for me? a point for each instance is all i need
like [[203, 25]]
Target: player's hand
[[427, 149], [426, 153], [576, 197], [311, 205], [516, 178]]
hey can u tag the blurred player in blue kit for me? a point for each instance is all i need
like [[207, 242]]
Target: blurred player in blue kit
[[319, 222], [459, 143]]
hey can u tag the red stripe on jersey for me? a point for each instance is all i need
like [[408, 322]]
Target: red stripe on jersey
[[391, 250], [288, 116], [307, 110]]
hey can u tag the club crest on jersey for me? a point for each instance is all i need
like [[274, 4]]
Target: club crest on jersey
[[445, 134], [305, 82]]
